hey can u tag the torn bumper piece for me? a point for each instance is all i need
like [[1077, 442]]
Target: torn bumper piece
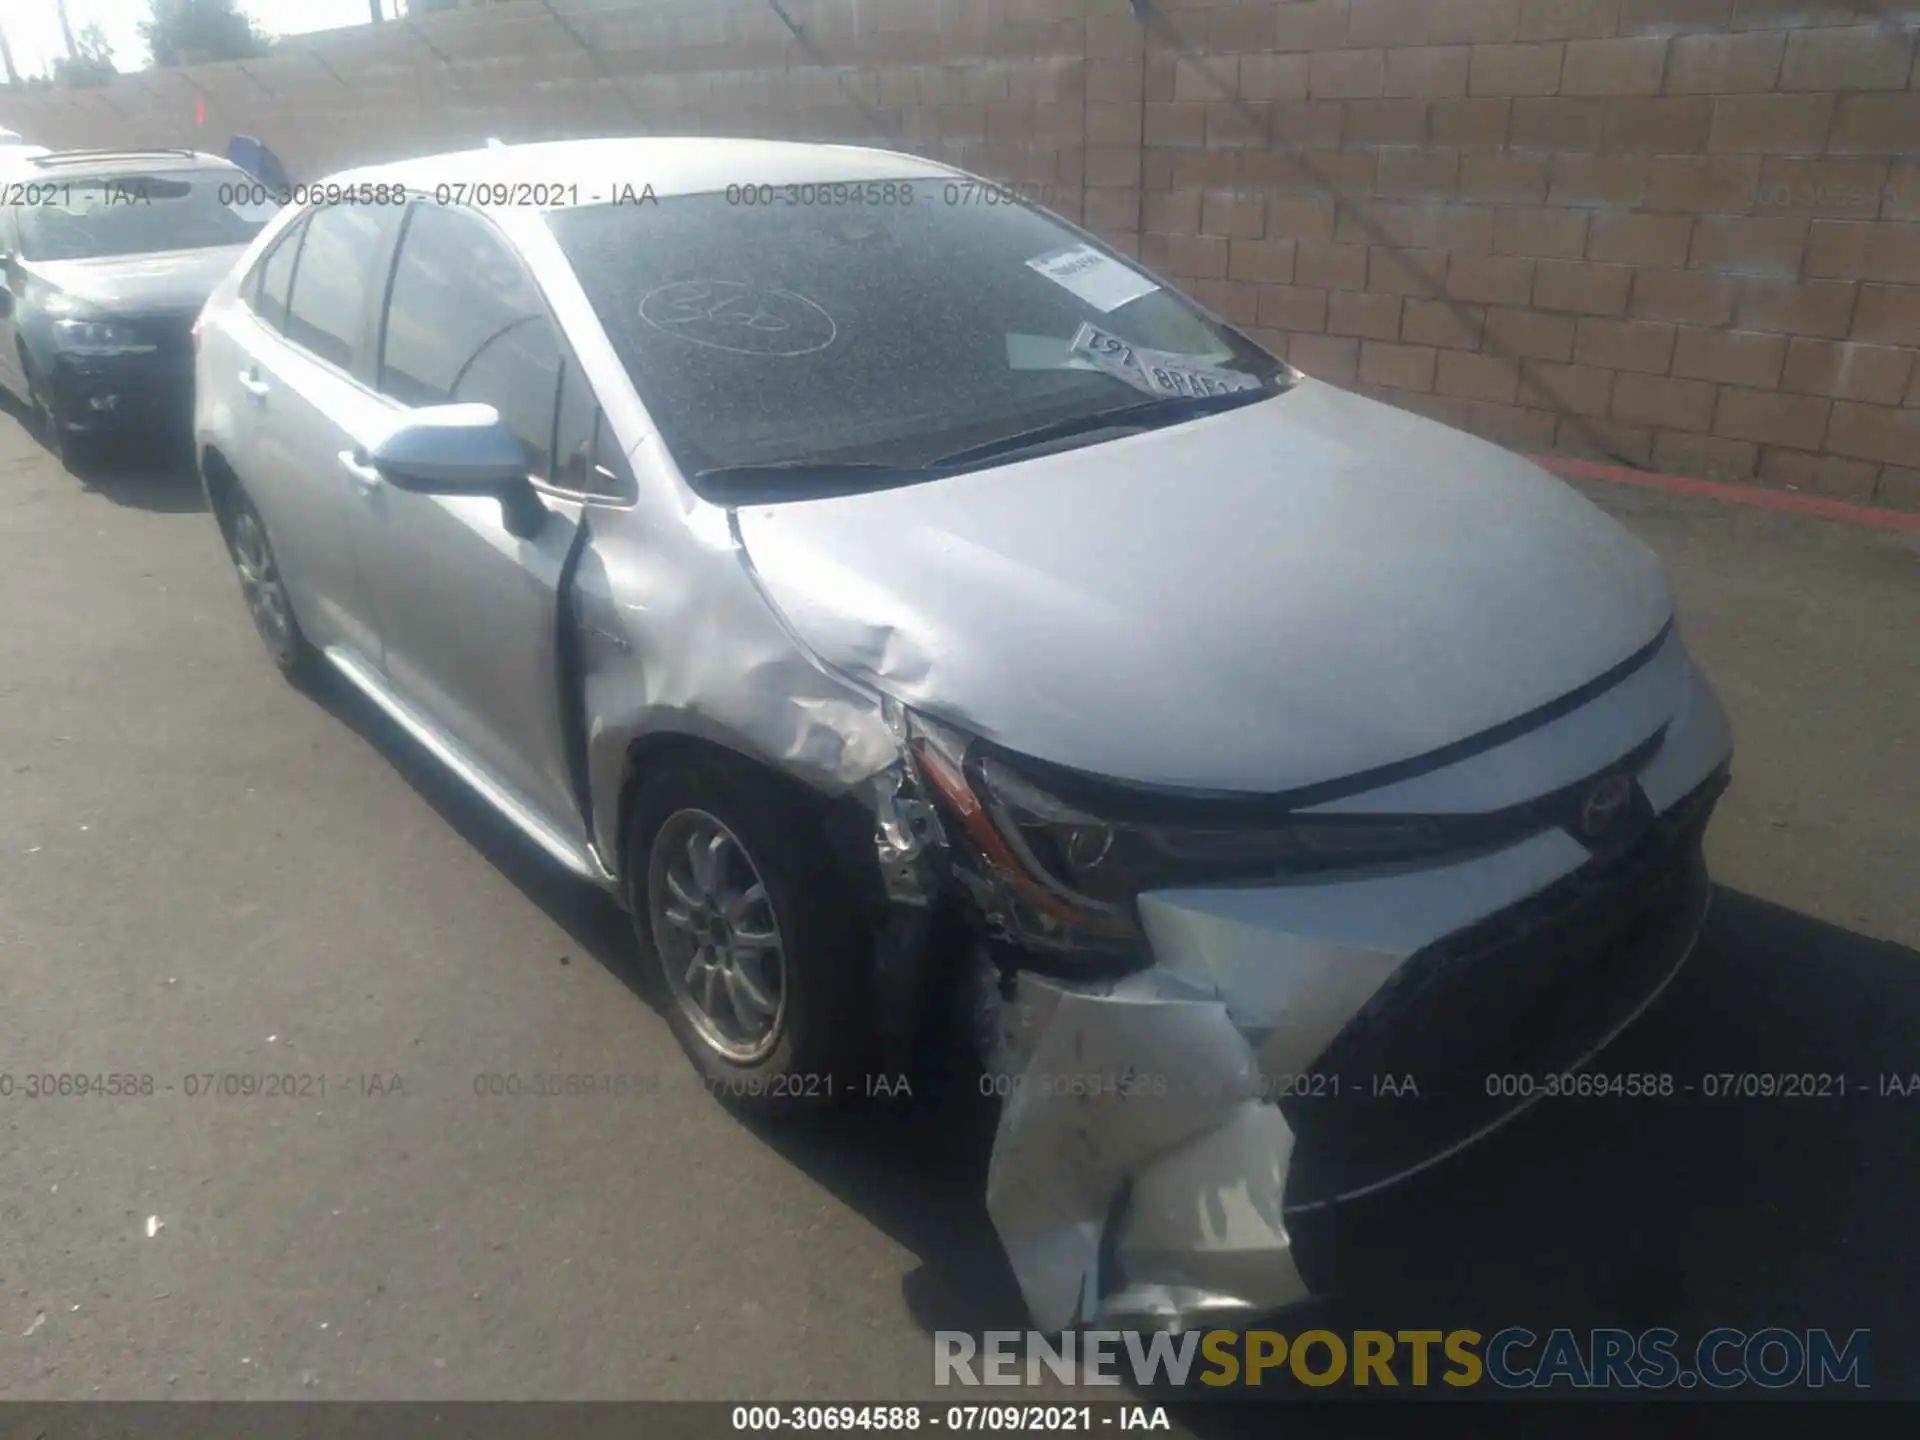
[[1158, 1130], [1145, 1094]]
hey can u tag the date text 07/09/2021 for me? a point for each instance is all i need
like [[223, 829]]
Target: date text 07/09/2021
[[911, 1417]]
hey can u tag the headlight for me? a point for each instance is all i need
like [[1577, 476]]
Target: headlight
[[100, 337], [1083, 869]]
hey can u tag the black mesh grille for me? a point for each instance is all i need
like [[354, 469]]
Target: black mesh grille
[[1529, 991]]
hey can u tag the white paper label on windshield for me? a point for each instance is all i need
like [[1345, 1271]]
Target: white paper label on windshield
[[1100, 280], [1158, 372], [260, 210]]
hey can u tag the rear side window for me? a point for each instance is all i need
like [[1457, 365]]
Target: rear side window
[[338, 261], [273, 278], [465, 324]]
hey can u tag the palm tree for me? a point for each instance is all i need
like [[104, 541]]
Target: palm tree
[[66, 29], [6, 58]]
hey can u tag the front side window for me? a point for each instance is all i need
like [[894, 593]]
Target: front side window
[[465, 324], [85, 217], [586, 461], [884, 336], [327, 309]]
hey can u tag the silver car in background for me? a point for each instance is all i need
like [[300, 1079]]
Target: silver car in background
[[15, 146], [909, 607]]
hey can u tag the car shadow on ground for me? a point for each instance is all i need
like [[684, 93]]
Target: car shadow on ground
[[1692, 1211], [595, 924], [143, 472]]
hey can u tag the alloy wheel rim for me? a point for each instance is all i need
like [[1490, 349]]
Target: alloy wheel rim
[[718, 936], [260, 583]]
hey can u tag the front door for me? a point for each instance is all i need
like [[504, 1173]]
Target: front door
[[468, 611]]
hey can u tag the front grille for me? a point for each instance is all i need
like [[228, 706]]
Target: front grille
[[1529, 991]]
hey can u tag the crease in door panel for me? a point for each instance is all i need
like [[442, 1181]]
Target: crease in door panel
[[570, 677]]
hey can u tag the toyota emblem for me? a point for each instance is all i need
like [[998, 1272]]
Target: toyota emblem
[[1605, 804]]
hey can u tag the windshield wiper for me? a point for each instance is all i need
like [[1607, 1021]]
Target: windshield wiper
[[1144, 414], [824, 477], [804, 469]]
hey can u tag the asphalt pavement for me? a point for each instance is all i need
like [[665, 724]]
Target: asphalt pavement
[[206, 873]]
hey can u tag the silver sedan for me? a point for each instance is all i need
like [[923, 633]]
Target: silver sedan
[[910, 607]]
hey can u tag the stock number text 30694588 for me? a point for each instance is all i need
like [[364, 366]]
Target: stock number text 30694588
[[827, 192]]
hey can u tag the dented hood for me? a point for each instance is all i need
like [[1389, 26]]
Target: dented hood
[[1275, 596]]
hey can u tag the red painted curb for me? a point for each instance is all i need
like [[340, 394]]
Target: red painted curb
[[1841, 510]]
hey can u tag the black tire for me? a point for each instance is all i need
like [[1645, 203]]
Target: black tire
[[258, 571], [814, 1056], [76, 453]]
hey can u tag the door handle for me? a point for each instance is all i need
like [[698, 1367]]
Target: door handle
[[254, 385], [365, 477]]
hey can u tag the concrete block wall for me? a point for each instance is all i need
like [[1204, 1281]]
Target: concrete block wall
[[1680, 233]]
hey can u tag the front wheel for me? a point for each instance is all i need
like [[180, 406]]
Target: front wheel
[[74, 452], [752, 937]]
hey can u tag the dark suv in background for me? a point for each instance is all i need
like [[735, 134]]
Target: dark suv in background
[[108, 257]]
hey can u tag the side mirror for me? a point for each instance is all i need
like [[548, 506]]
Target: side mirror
[[462, 450]]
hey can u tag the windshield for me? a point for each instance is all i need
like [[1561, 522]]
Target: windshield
[[81, 218], [887, 324]]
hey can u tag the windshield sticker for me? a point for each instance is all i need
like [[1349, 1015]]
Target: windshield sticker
[[1100, 280], [254, 211], [740, 318], [1045, 352], [1158, 372]]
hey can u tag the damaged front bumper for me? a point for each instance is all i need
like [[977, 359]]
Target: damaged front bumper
[[1163, 1134]]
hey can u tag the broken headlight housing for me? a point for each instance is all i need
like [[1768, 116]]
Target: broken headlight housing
[[1071, 870]]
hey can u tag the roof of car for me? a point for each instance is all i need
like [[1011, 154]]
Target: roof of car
[[593, 172]]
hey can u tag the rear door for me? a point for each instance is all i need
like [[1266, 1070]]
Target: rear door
[[230, 390], [468, 612], [302, 365]]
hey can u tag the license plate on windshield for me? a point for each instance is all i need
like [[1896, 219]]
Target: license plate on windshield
[[1159, 372]]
